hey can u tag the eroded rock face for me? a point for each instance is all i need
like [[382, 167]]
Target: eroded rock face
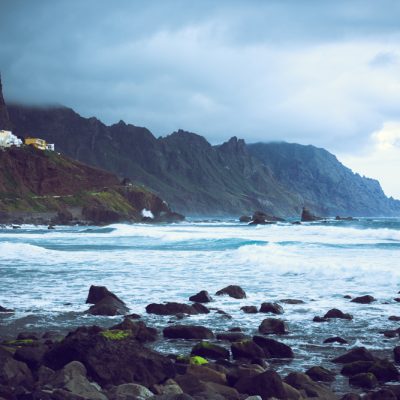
[[111, 357]]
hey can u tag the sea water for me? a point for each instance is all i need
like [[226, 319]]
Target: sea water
[[45, 276]]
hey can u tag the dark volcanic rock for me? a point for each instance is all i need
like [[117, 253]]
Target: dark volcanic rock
[[98, 293], [356, 367], [32, 356], [311, 388], [273, 348], [272, 326], [231, 336], [320, 319], [320, 374], [201, 297], [5, 123], [210, 350], [335, 339], [14, 373], [396, 354], [138, 330], [363, 299], [273, 308], [5, 310], [249, 309], [173, 308], [245, 218], [233, 291], [384, 371], [268, 385], [111, 357], [335, 313], [307, 216], [187, 332], [292, 301], [246, 349], [109, 306], [356, 354], [364, 380]]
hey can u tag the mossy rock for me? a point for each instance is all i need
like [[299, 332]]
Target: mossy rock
[[210, 350], [116, 334], [192, 360], [21, 342]]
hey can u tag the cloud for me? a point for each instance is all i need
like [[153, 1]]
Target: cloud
[[381, 159]]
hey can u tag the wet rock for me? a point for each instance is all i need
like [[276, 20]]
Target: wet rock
[[335, 313], [187, 332], [111, 357], [243, 371], [28, 336], [272, 348], [129, 391], [44, 375], [351, 396], [245, 218], [138, 329], [273, 308], [246, 349], [272, 326], [320, 319], [14, 373], [171, 308], [397, 299], [210, 350], [356, 354], [305, 384], [367, 299], [391, 333], [233, 291], [365, 380], [292, 301], [32, 356], [356, 367], [308, 216], [231, 336], [396, 354], [320, 374], [335, 339], [249, 309], [206, 374], [384, 371], [109, 306], [72, 378], [201, 297], [5, 310], [200, 308], [170, 388], [382, 394], [347, 296], [268, 385], [98, 293]]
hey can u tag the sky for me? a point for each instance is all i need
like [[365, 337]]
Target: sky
[[316, 72]]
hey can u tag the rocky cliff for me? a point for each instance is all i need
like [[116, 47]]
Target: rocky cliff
[[44, 187], [198, 178], [4, 118]]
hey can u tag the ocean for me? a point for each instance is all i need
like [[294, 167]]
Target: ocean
[[45, 276]]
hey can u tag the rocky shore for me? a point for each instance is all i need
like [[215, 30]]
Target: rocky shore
[[120, 363]]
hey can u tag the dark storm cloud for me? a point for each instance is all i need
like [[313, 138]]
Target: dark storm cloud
[[304, 71]]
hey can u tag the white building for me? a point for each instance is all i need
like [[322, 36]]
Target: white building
[[7, 139]]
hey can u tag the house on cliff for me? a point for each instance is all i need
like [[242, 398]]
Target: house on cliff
[[7, 139]]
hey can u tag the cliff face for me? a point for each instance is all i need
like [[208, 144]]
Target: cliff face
[[4, 118], [43, 187], [326, 185], [198, 178]]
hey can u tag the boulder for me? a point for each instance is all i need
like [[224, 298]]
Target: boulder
[[365, 380], [272, 348], [308, 216], [109, 306], [384, 371], [320, 374], [172, 308], [356, 354], [187, 332], [170, 387], [231, 336], [249, 309], [246, 349], [272, 326], [245, 218], [335, 339], [98, 293], [351, 396], [129, 391], [206, 374], [267, 384], [292, 301], [396, 354], [138, 330], [273, 308], [32, 356], [201, 297], [356, 367], [72, 378], [320, 319], [111, 357], [13, 373], [381, 394], [210, 350], [367, 299], [335, 313], [233, 291], [394, 318], [312, 389]]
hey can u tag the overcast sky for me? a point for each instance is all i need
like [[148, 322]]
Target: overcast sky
[[314, 72]]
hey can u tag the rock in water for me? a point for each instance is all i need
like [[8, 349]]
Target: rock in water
[[98, 293], [307, 216], [273, 308], [105, 302], [363, 299], [233, 291], [201, 297], [273, 348], [335, 313], [272, 326]]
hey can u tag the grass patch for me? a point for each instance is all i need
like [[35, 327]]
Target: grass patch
[[115, 334]]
